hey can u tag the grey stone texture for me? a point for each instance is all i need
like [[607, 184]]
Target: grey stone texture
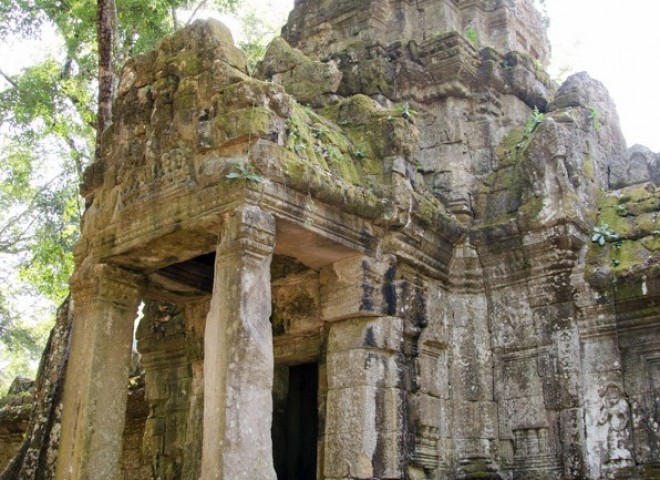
[[464, 252]]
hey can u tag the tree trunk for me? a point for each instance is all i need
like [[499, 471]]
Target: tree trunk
[[105, 30]]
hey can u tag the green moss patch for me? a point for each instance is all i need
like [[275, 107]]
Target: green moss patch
[[633, 244]]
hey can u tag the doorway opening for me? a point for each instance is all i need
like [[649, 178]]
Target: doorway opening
[[295, 421]]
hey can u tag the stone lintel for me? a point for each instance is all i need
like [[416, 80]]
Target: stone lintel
[[105, 300], [316, 233], [238, 352], [296, 350]]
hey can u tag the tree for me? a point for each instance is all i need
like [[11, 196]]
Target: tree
[[48, 127], [105, 25]]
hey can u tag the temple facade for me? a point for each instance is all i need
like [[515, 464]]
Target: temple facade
[[374, 258]]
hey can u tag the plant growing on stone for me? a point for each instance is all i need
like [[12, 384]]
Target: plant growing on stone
[[595, 119], [244, 172], [360, 153], [320, 132], [534, 120], [472, 35], [406, 111], [333, 153], [602, 234]]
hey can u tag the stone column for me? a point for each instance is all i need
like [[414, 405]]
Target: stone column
[[365, 418], [238, 353], [196, 314], [365, 403], [105, 301]]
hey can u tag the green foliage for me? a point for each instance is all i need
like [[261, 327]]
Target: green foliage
[[360, 153], [244, 172], [534, 121], [520, 140], [257, 34], [406, 111], [472, 35], [21, 343], [320, 131], [595, 119], [602, 234]]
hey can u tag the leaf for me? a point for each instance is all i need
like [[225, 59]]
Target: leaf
[[233, 175]]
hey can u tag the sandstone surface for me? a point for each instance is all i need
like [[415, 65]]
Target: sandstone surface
[[396, 251]]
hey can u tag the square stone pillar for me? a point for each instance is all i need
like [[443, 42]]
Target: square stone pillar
[[238, 353], [365, 421], [105, 301]]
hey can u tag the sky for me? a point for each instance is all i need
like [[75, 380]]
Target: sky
[[616, 44]]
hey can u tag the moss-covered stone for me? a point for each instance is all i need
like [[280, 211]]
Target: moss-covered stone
[[248, 124], [507, 192], [305, 79], [631, 215]]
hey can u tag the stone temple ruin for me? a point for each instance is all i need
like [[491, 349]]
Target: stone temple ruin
[[373, 259]]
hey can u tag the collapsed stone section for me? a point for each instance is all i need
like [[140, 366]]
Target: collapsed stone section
[[424, 242]]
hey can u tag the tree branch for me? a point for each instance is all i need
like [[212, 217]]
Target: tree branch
[[8, 78], [175, 20], [18, 217], [199, 6]]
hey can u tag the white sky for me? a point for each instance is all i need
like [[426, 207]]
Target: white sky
[[617, 42]]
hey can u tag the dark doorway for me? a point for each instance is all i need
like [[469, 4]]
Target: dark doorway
[[295, 421]]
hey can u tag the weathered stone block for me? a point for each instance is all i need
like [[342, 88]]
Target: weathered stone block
[[382, 334], [375, 369], [477, 419], [359, 441], [357, 287], [296, 304], [440, 227], [434, 374]]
